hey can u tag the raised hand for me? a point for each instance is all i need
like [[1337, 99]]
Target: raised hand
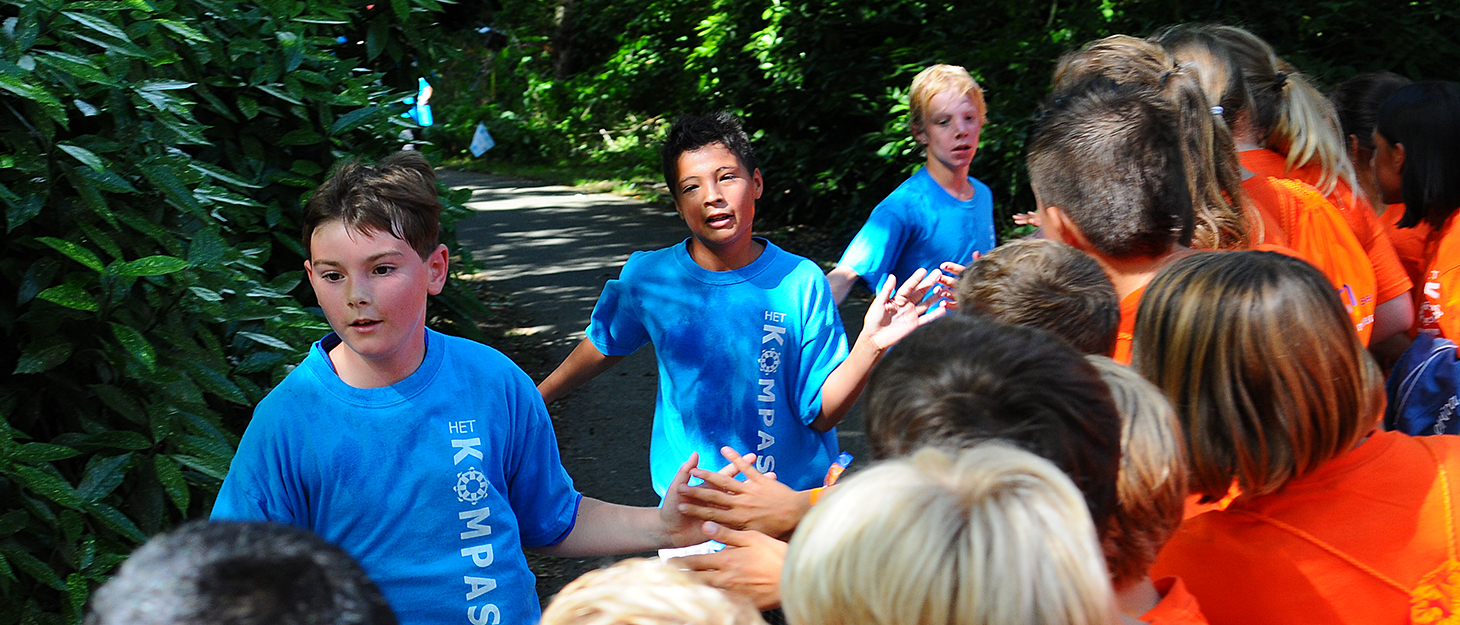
[[758, 503]]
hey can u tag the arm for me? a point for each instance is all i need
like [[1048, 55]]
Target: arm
[[759, 503], [1392, 317], [605, 528], [584, 364], [889, 318], [842, 279]]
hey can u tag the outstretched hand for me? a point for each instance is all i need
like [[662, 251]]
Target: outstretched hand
[[895, 314], [951, 272], [758, 503], [681, 529], [749, 566]]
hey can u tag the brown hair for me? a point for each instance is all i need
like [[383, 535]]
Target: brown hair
[[1109, 155], [1152, 487], [396, 195], [1270, 382], [1223, 217], [1047, 285], [959, 381], [935, 80], [641, 591]]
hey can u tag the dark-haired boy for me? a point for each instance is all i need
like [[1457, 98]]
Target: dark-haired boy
[[750, 347], [1106, 166], [429, 458], [1047, 285]]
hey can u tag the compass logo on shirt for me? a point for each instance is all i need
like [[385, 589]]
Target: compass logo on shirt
[[464, 490], [770, 361]]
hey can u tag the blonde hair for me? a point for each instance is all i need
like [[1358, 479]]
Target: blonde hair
[[645, 592], [1152, 486], [938, 79], [990, 535], [1223, 216], [1270, 383], [1292, 116]]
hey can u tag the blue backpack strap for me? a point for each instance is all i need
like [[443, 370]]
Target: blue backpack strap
[[1424, 389]]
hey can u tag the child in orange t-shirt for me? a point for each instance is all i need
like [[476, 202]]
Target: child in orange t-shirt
[[1337, 523], [1416, 157]]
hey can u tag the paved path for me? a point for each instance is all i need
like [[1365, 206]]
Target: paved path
[[550, 249]]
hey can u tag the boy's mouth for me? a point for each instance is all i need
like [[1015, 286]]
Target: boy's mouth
[[719, 220], [362, 324]]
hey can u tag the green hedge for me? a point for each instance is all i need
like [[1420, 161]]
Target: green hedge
[[155, 155]]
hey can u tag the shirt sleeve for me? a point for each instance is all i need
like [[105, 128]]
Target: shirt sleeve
[[253, 490], [1390, 278], [877, 246], [538, 487], [823, 347], [615, 327]]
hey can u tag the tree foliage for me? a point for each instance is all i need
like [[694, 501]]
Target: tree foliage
[[155, 156], [822, 84]]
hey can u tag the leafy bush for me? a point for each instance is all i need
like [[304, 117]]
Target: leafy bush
[[822, 83], [155, 156]]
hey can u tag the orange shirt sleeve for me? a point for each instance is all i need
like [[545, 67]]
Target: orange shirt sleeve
[[1409, 243], [1390, 278], [1440, 310]]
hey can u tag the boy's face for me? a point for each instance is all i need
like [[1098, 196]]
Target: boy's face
[[717, 196], [373, 287], [950, 129]]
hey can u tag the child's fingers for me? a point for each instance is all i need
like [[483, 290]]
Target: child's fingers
[[718, 480], [682, 475], [703, 513], [904, 293], [745, 464]]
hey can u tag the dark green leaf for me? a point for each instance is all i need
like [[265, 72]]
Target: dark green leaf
[[117, 521], [135, 344], [32, 566], [219, 173], [18, 214], [37, 94], [402, 9], [99, 25], [38, 357], [31, 453], [108, 181], [153, 266], [103, 475], [74, 252], [12, 522], [183, 29], [172, 482], [266, 340], [84, 155], [302, 136], [168, 183], [116, 439], [276, 92], [163, 85], [215, 383], [354, 118], [78, 66], [376, 37], [70, 295], [46, 485], [120, 401], [248, 107], [214, 469]]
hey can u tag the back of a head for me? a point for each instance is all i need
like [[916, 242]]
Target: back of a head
[[1271, 383], [1209, 154], [960, 381], [987, 535], [1110, 157], [1289, 113], [1357, 101], [396, 195], [1152, 487], [692, 132], [645, 592], [1047, 285], [936, 79], [1425, 118], [230, 573]]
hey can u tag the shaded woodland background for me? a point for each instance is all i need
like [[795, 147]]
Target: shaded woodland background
[[154, 155]]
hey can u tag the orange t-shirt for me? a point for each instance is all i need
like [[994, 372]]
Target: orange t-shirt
[[1177, 607], [1380, 505], [1317, 232], [1390, 278], [1409, 243], [1128, 306], [1439, 310]]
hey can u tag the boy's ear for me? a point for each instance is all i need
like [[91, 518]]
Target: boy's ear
[[759, 182], [919, 133], [1058, 227], [437, 265]]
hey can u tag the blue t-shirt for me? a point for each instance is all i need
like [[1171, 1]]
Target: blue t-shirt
[[919, 225], [742, 357], [434, 484]]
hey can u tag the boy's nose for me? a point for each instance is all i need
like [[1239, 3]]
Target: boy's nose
[[357, 296]]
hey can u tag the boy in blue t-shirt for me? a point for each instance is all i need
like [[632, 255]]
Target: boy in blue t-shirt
[[940, 214], [428, 458], [750, 348]]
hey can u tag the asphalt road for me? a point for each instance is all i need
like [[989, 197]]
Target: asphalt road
[[550, 249]]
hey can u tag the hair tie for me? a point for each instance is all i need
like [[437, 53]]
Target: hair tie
[[1279, 79], [1217, 110]]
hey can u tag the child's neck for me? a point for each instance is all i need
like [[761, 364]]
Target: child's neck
[[360, 372], [1131, 274], [725, 258], [954, 181], [1137, 598]]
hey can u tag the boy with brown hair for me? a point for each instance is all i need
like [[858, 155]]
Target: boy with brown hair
[[429, 458], [1047, 285], [940, 214], [1108, 175], [750, 347]]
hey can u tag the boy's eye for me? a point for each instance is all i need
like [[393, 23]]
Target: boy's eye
[[332, 276], [381, 270], [688, 188]]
